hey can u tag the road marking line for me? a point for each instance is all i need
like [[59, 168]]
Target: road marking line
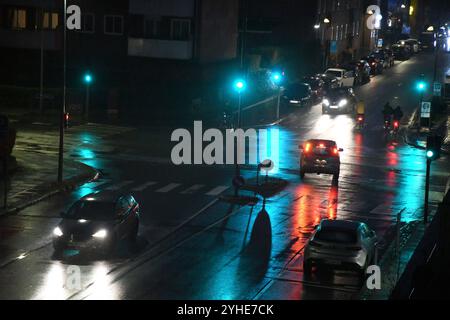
[[217, 190], [193, 189], [169, 187], [119, 185], [144, 186]]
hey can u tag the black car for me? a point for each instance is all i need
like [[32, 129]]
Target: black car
[[317, 87], [298, 94], [376, 65], [401, 53], [361, 69], [330, 82], [339, 100], [98, 221]]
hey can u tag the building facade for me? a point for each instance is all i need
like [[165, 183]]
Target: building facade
[[341, 26], [124, 44]]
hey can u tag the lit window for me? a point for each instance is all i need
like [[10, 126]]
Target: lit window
[[50, 20], [17, 18]]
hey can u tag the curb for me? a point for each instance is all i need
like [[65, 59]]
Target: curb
[[444, 149], [54, 189]]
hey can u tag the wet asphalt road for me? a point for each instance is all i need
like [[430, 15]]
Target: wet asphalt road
[[191, 246]]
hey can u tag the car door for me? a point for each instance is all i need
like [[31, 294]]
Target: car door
[[349, 79]]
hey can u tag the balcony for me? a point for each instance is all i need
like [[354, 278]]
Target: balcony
[[28, 39], [162, 49]]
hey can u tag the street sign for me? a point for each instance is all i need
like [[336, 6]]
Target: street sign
[[425, 111], [437, 89], [380, 43], [333, 47]]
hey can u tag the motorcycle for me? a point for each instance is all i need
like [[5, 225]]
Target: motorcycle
[[360, 122]]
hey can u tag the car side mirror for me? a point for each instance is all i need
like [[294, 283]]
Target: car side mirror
[[341, 150], [300, 146]]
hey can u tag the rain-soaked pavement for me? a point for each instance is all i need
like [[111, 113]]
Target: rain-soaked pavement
[[191, 246]]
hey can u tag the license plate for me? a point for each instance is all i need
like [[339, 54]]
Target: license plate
[[334, 107]]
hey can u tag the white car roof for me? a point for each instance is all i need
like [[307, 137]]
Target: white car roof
[[335, 69]]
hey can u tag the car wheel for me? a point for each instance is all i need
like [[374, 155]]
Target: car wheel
[[134, 232], [111, 247], [302, 174]]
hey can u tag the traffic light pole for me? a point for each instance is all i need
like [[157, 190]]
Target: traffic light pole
[[63, 110], [427, 188]]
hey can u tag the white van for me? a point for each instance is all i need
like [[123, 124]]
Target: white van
[[345, 78]]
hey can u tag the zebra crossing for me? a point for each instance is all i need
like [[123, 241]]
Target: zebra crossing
[[157, 187]]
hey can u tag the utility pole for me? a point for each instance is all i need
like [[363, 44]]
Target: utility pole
[[41, 80], [63, 109]]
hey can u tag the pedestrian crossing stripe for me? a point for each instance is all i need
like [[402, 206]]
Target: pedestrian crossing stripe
[[159, 187]]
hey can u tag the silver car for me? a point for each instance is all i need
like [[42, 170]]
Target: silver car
[[340, 243]]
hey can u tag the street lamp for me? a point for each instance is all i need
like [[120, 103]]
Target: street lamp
[[87, 80], [327, 40], [239, 86], [63, 107]]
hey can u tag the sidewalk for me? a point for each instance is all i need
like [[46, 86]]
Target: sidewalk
[[418, 137], [35, 180]]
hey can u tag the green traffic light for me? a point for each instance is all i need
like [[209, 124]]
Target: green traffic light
[[239, 85], [430, 154], [421, 86], [87, 78]]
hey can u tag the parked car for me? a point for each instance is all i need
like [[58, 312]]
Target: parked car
[[98, 221], [330, 81], [317, 87], [362, 71], [428, 41], [376, 66], [414, 44], [320, 157], [410, 45], [345, 78], [401, 53], [298, 94], [384, 57], [339, 100], [341, 243]]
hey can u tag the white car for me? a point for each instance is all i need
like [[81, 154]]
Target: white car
[[345, 78], [340, 243]]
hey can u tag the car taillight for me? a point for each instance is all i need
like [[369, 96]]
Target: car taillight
[[308, 147], [335, 151], [360, 119], [396, 124]]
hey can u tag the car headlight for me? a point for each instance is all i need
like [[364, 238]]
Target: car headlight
[[100, 234], [57, 232], [326, 102], [343, 102]]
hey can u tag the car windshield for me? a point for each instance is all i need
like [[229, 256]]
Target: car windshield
[[322, 148], [337, 93], [336, 236], [298, 89], [91, 210], [333, 73]]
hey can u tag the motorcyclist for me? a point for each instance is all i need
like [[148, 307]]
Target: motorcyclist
[[398, 114], [360, 111], [388, 112]]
